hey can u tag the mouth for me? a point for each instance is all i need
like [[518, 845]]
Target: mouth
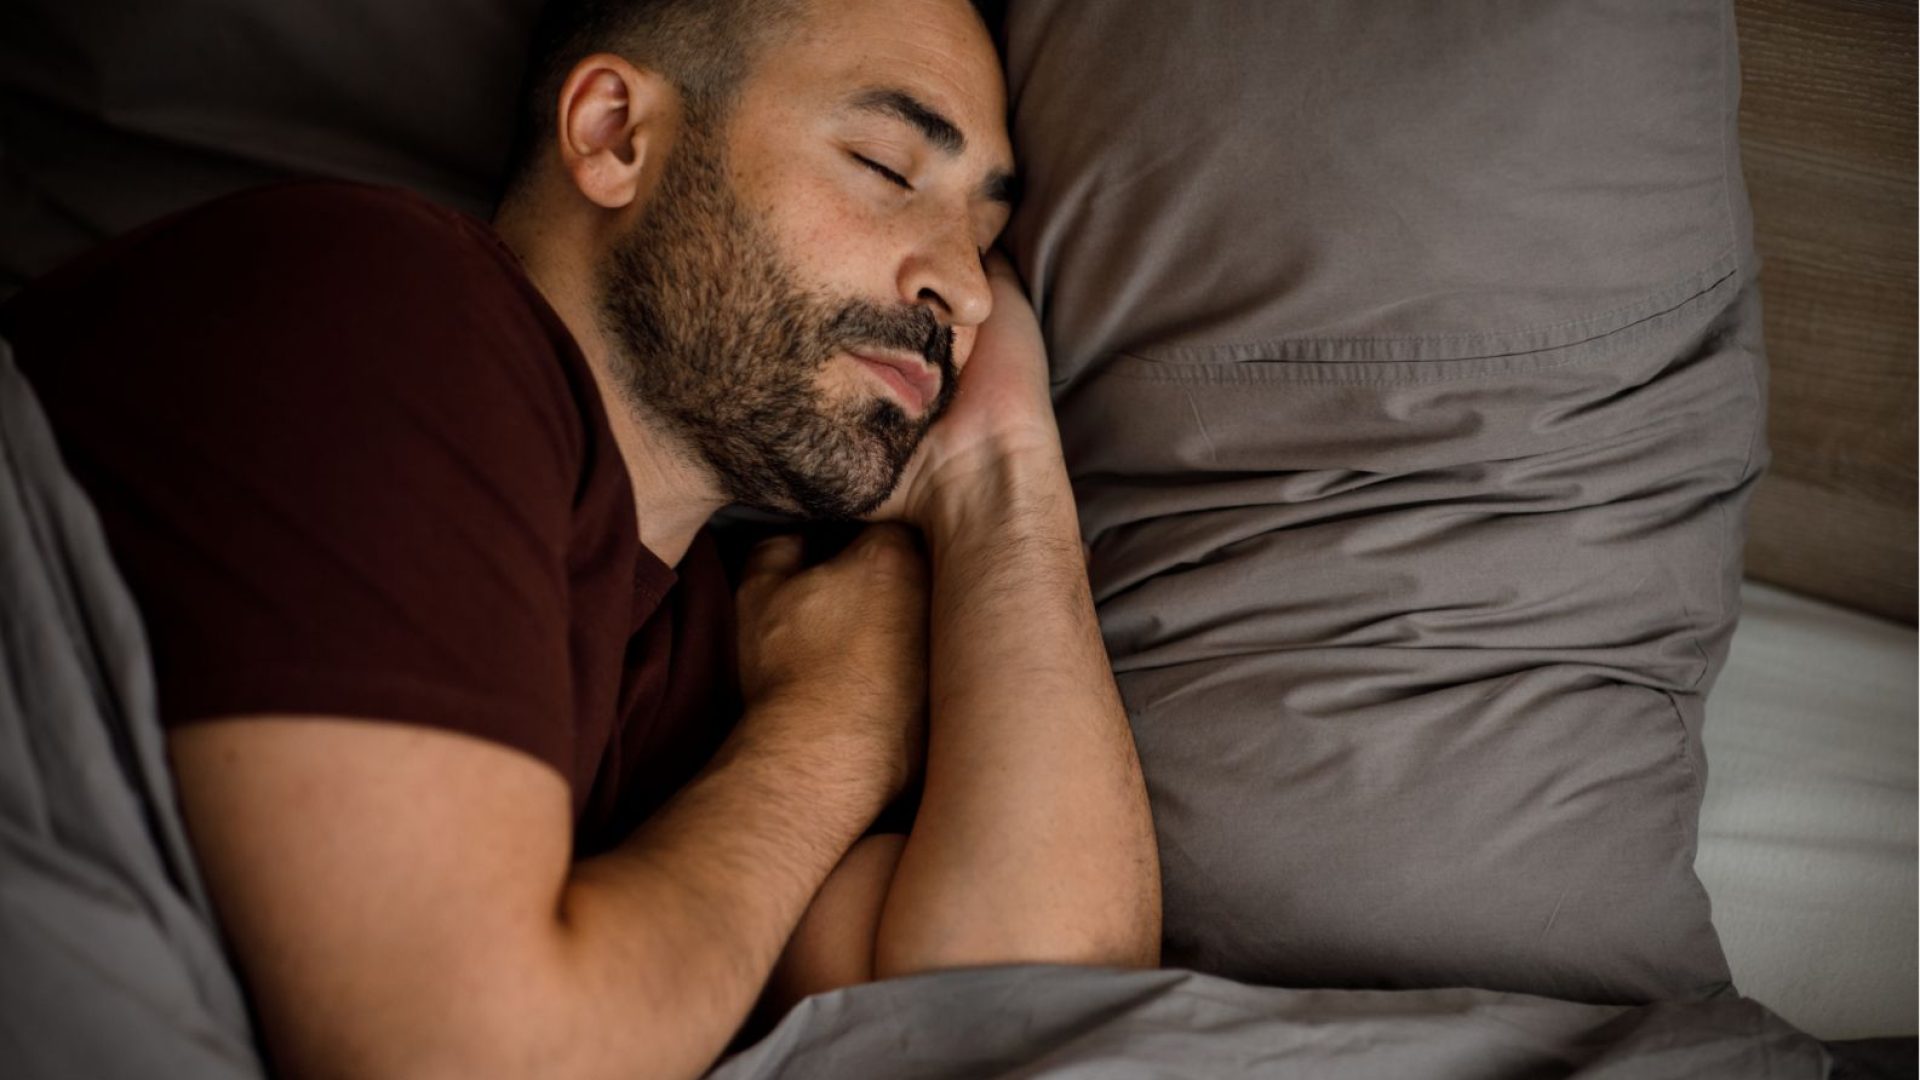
[[915, 382]]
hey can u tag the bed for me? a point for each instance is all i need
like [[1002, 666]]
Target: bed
[[1807, 834], [1415, 616]]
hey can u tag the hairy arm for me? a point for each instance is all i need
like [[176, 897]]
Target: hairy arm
[[402, 900], [1034, 841]]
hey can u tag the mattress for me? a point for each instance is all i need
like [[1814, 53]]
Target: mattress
[[1807, 835]]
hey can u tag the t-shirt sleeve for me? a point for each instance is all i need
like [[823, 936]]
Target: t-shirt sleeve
[[336, 458]]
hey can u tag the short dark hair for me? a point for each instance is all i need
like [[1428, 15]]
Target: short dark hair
[[704, 47]]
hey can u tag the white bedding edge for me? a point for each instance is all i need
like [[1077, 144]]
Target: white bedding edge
[[1807, 835]]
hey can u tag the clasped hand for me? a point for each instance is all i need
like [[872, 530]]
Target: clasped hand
[[839, 649]]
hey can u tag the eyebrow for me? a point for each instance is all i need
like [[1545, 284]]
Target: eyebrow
[[1000, 186]]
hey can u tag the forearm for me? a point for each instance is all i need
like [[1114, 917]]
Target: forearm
[[667, 940], [1033, 838]]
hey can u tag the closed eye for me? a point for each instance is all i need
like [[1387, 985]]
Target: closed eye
[[892, 177]]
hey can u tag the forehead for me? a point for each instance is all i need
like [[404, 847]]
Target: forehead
[[937, 51]]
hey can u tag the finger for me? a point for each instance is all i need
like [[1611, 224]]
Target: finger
[[886, 536], [771, 562], [893, 548]]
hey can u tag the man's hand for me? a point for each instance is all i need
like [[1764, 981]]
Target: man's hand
[[1002, 409], [846, 642], [1033, 841]]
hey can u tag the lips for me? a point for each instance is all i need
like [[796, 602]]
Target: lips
[[911, 376]]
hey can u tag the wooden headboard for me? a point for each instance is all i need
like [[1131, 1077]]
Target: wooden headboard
[[1827, 133]]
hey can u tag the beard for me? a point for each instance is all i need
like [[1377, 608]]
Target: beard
[[719, 342]]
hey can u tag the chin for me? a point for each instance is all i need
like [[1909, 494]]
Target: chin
[[846, 502], [834, 466], [844, 497]]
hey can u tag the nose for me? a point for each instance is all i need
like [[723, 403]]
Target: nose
[[947, 272]]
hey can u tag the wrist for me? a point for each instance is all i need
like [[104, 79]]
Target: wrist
[[997, 491], [786, 732]]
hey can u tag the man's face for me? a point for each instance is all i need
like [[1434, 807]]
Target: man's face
[[802, 288]]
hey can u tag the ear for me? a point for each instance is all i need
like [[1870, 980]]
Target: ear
[[613, 117]]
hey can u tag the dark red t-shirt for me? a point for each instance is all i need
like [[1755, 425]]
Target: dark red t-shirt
[[351, 463]]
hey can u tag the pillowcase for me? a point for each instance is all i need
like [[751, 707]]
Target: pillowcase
[[1408, 361]]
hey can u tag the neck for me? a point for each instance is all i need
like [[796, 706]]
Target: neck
[[673, 494]]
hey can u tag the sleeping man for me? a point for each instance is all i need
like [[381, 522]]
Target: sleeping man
[[414, 510]]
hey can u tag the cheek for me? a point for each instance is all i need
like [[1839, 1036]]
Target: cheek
[[840, 243]]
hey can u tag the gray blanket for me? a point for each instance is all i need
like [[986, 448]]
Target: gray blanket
[[111, 964], [1040, 1021]]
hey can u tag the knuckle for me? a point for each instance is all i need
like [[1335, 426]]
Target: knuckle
[[887, 536], [894, 549]]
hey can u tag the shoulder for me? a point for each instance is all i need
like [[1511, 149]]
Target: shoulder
[[334, 214], [320, 245], [304, 228], [279, 260], [347, 285], [309, 310]]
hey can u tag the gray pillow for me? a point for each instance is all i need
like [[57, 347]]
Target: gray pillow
[[1408, 361]]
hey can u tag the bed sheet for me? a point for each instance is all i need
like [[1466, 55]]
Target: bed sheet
[[1026, 1022], [1808, 830]]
